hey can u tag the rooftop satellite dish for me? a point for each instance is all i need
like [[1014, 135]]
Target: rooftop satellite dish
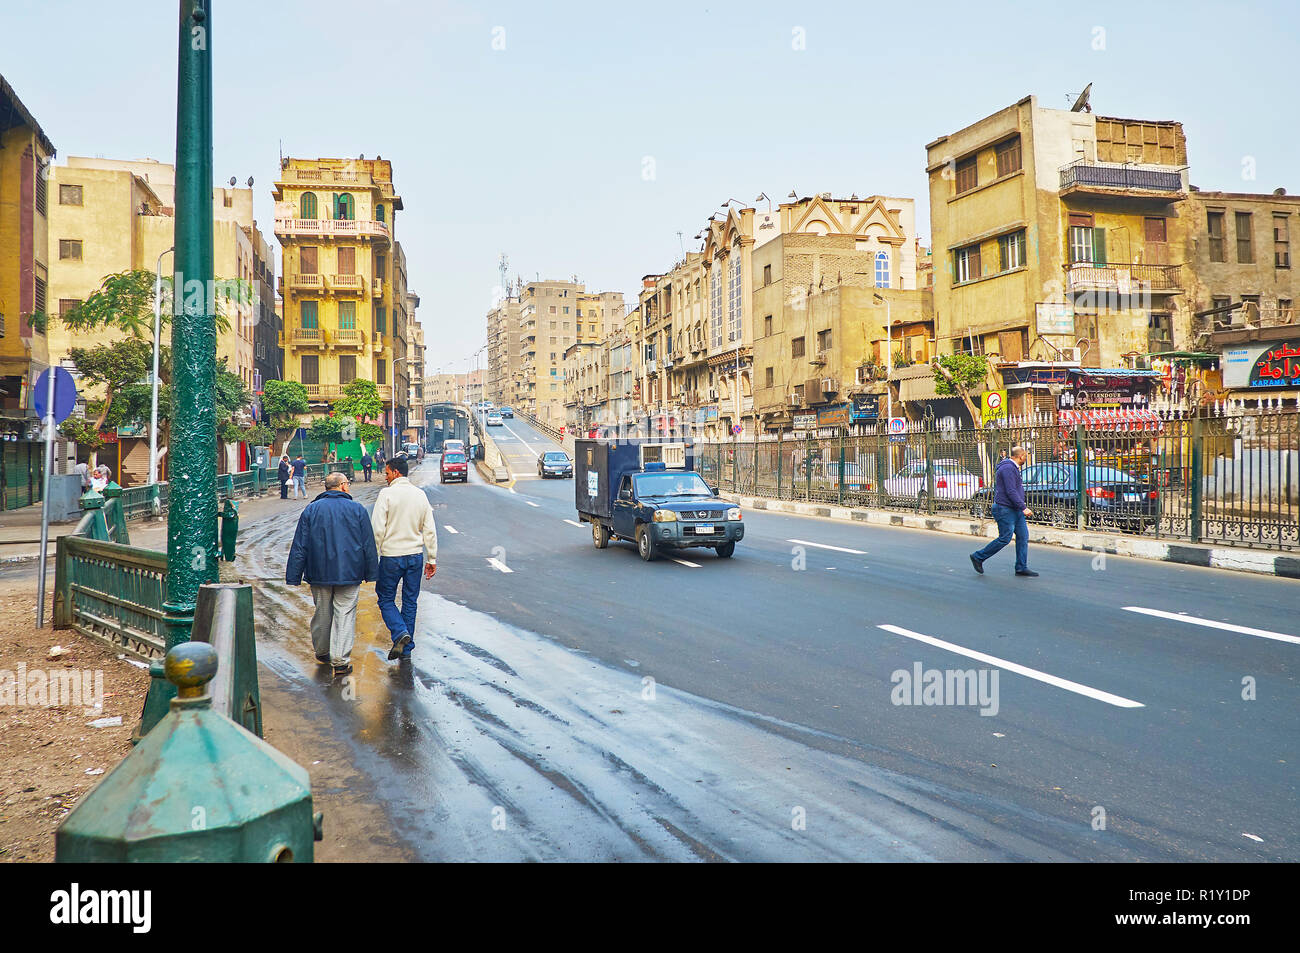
[[1081, 104], [232, 181], [250, 181]]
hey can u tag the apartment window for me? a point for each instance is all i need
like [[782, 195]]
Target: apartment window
[[824, 340], [310, 369], [70, 249], [798, 392], [70, 195], [553, 323], [40, 193], [968, 345], [1220, 301], [347, 260], [381, 371], [566, 311], [966, 264], [307, 259], [1244, 222], [308, 312], [1214, 226], [40, 295], [1160, 334], [1008, 157], [344, 207], [1281, 241], [1011, 251], [381, 319], [381, 265], [733, 296], [882, 269], [769, 378], [796, 347], [767, 325], [767, 274], [1087, 244], [552, 312], [68, 305], [1284, 310], [227, 199], [379, 213], [347, 315], [967, 175], [347, 368], [307, 205]]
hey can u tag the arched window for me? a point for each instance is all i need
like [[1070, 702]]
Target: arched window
[[308, 205], [379, 213], [344, 207], [882, 269]]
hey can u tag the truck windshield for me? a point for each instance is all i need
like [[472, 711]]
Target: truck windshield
[[671, 484]]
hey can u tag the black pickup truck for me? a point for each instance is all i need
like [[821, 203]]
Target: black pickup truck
[[649, 494]]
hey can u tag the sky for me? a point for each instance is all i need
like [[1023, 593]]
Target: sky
[[595, 139]]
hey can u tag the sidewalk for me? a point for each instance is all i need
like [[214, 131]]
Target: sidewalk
[[1141, 547]]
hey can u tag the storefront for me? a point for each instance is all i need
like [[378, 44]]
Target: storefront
[[1265, 372]]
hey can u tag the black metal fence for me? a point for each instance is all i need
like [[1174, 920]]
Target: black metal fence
[[1231, 478]]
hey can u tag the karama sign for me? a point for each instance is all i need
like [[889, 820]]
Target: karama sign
[[1278, 365]]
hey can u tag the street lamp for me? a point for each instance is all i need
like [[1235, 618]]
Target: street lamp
[[392, 413], [889, 355], [153, 402]]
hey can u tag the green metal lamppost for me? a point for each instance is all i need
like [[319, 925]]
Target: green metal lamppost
[[192, 509]]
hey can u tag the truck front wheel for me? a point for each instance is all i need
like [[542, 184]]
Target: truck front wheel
[[599, 535], [645, 543], [726, 549]]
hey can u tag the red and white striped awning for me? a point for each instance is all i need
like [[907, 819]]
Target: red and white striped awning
[[1123, 421]]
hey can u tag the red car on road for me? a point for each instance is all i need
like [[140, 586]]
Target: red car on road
[[453, 467]]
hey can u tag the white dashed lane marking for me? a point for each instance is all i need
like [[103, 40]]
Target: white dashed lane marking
[[531, 503], [1117, 700], [1210, 623], [838, 549], [498, 565], [574, 523], [451, 529], [687, 562]]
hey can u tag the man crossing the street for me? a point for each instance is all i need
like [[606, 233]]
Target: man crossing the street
[[299, 468], [407, 542], [334, 550], [1010, 510]]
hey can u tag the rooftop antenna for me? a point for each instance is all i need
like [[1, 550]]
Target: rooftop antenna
[[502, 264], [1081, 104], [682, 244]]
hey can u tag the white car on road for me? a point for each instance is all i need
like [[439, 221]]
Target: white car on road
[[494, 419], [952, 481]]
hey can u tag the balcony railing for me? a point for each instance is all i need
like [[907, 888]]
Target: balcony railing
[[350, 337], [323, 391], [330, 228], [307, 282], [306, 336], [347, 282], [1122, 277], [1121, 175], [376, 287]]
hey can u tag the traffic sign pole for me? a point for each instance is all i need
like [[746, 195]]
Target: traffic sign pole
[[45, 496]]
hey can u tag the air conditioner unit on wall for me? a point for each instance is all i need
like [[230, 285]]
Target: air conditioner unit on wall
[[830, 385], [1070, 354], [863, 376], [795, 400]]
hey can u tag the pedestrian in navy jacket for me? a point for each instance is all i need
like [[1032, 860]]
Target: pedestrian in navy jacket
[[334, 550], [1010, 510]]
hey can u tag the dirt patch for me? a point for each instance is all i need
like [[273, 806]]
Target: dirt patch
[[49, 751]]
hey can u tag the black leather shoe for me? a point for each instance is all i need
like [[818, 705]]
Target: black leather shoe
[[977, 563], [1025, 572], [396, 651], [344, 669]]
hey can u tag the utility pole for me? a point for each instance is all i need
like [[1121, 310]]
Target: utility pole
[[192, 508]]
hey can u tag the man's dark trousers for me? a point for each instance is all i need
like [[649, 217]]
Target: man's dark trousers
[[406, 571], [366, 471], [1010, 521], [284, 489]]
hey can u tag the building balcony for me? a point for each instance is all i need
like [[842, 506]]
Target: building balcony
[[376, 287], [347, 284], [322, 392], [1123, 278], [348, 337], [1111, 178], [304, 283], [306, 336], [291, 228]]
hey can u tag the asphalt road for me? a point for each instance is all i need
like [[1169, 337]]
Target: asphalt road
[[573, 703]]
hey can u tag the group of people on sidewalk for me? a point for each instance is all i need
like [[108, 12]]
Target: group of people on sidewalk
[[337, 547], [292, 474]]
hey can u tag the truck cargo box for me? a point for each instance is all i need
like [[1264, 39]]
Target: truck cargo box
[[599, 466]]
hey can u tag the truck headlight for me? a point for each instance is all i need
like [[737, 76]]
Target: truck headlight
[[733, 513], [665, 516]]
